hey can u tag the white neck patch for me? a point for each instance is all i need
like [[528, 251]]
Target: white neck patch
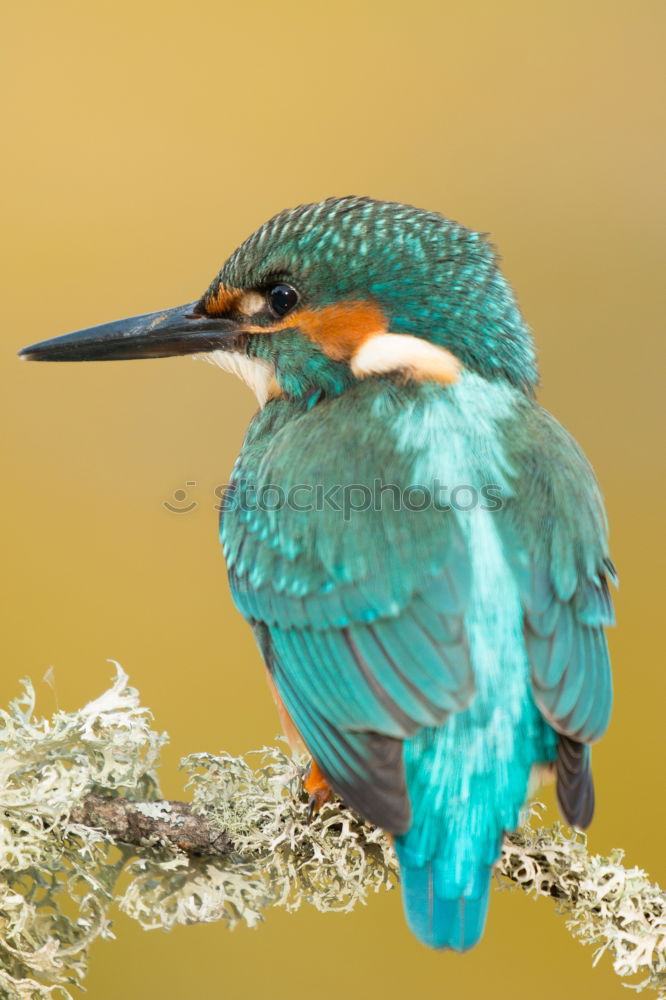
[[258, 375], [417, 358]]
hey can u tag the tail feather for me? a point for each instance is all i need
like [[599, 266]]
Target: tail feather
[[575, 787], [439, 922]]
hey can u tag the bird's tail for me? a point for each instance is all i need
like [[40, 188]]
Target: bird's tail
[[438, 917]]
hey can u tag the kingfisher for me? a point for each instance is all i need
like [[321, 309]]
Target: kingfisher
[[419, 548]]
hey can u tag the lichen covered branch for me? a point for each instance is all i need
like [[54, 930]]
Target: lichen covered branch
[[79, 807], [614, 908]]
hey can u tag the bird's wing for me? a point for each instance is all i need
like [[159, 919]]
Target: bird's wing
[[359, 613], [556, 534]]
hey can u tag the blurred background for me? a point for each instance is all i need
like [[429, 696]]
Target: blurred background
[[143, 141]]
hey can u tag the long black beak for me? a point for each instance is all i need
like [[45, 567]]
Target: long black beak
[[182, 330]]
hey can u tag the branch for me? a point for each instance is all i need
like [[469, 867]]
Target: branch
[[80, 817], [156, 824]]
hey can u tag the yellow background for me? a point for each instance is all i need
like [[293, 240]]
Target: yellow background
[[143, 141]]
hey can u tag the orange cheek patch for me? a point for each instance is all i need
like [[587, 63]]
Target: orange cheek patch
[[339, 329]]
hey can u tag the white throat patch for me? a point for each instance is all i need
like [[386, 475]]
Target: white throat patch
[[258, 375]]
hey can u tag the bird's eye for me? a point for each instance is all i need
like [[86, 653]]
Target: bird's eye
[[282, 299]]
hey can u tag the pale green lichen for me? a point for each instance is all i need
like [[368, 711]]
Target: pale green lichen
[[615, 909], [281, 856], [60, 879], [48, 862]]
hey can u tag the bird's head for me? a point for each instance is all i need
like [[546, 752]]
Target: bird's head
[[325, 294]]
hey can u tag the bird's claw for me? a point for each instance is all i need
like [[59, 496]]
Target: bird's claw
[[317, 787]]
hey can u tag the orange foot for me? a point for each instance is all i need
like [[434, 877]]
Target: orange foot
[[317, 787]]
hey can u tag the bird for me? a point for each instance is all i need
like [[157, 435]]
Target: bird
[[420, 549]]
